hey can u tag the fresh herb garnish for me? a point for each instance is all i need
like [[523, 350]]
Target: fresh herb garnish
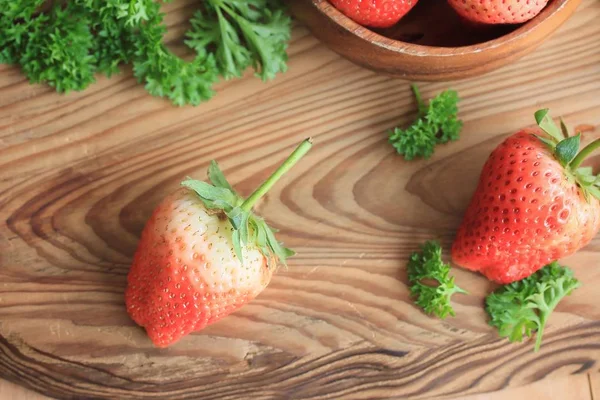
[[427, 265], [67, 44], [523, 307], [436, 123]]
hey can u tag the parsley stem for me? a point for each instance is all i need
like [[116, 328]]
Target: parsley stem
[[293, 158], [420, 103], [587, 150], [540, 332], [460, 290]]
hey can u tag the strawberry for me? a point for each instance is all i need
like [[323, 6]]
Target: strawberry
[[533, 205], [375, 13], [202, 255], [498, 11]]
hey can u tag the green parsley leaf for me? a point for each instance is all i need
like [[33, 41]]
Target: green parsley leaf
[[64, 44], [135, 11], [165, 74], [52, 47], [241, 34], [521, 308], [436, 123], [114, 41], [16, 21], [425, 266]]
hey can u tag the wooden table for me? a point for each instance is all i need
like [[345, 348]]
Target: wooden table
[[579, 387], [79, 175]]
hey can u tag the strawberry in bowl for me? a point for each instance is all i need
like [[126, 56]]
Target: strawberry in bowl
[[375, 13], [498, 11]]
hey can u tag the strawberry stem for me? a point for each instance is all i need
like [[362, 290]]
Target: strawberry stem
[[583, 154], [293, 158]]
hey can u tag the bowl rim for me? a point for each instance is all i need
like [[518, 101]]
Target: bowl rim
[[375, 38]]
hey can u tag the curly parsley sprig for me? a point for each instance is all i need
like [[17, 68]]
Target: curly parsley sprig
[[164, 73], [243, 34], [436, 123], [67, 44], [521, 308], [427, 265]]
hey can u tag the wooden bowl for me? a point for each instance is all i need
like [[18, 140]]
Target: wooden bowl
[[431, 43]]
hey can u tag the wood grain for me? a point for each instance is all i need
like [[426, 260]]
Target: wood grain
[[570, 387], [595, 385], [80, 174], [431, 42], [10, 391]]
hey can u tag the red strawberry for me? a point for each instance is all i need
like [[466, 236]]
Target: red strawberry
[[498, 11], [534, 204], [202, 255], [375, 13]]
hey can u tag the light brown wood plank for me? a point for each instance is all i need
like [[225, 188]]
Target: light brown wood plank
[[594, 381], [570, 387], [10, 391], [80, 174]]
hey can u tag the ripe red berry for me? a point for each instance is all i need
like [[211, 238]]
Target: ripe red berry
[[375, 13], [533, 205]]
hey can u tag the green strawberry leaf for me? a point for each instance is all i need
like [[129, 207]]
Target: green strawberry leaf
[[567, 149], [585, 176], [261, 235], [215, 197], [236, 216], [585, 170], [217, 178], [546, 123], [564, 129], [243, 228], [248, 229], [237, 245], [239, 220], [593, 190], [275, 247], [567, 153], [548, 142]]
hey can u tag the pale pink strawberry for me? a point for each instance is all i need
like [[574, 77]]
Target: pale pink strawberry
[[202, 255], [498, 11], [185, 274]]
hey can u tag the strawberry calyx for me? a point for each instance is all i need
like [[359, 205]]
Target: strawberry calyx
[[248, 228], [566, 151]]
